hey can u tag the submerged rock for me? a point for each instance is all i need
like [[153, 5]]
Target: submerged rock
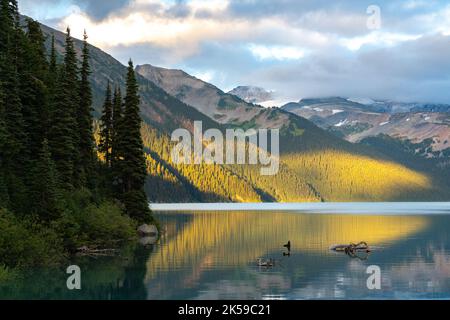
[[145, 241]]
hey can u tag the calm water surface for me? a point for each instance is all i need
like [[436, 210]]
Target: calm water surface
[[212, 255]]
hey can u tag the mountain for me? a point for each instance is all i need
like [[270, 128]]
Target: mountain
[[206, 98], [357, 119], [391, 106], [222, 107], [252, 94], [314, 165]]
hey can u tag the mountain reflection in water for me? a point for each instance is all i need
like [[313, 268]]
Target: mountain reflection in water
[[212, 255]]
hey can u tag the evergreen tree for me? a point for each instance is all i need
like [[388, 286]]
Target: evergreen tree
[[52, 68], [51, 82], [116, 125], [71, 86], [86, 159], [106, 123], [4, 197], [53, 60], [133, 167], [33, 89], [44, 191], [13, 153], [63, 138], [9, 54], [36, 39]]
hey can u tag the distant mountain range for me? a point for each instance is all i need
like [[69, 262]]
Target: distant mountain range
[[401, 107], [357, 119], [315, 164]]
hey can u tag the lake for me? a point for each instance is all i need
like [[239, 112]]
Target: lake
[[212, 255]]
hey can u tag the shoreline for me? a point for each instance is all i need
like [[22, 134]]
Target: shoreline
[[360, 208]]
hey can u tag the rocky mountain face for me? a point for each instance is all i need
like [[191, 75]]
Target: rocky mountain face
[[252, 94], [357, 119], [391, 106], [223, 107]]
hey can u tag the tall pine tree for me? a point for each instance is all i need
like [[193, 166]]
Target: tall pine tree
[[116, 125], [51, 82], [132, 166], [4, 197], [33, 89], [106, 119], [52, 67], [63, 138], [86, 160], [44, 191], [10, 51], [13, 153]]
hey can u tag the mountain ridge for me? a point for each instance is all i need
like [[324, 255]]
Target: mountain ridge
[[355, 121]]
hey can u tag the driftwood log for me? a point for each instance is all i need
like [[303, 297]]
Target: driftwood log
[[94, 251]]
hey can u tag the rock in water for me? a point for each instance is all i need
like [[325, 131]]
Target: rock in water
[[145, 241], [148, 230]]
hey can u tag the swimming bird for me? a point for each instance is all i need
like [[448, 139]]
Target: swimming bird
[[288, 245]]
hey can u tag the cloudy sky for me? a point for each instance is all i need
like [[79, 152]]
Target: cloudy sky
[[299, 48]]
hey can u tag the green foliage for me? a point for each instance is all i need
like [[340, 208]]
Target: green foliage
[[10, 52], [131, 164], [117, 127], [106, 223], [24, 243], [84, 171], [4, 197], [44, 192], [62, 137], [6, 274], [86, 223], [106, 127]]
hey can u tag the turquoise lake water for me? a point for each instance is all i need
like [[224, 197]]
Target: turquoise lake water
[[212, 255]]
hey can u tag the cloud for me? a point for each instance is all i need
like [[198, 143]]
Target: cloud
[[50, 9], [416, 4], [263, 52], [377, 38], [100, 9], [412, 71], [297, 47]]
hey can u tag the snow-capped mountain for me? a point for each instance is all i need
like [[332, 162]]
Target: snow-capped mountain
[[252, 94], [358, 118]]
